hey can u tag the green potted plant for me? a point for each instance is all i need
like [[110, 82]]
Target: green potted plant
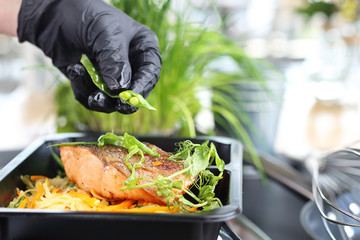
[[188, 53]]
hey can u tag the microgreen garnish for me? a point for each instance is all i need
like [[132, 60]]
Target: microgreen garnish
[[196, 159]]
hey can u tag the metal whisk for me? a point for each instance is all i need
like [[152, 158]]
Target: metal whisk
[[336, 190]]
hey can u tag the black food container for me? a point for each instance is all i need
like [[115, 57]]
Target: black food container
[[58, 224]]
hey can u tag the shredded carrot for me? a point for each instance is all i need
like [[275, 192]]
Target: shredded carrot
[[17, 191], [67, 208], [91, 201], [56, 190], [193, 209], [38, 194], [23, 203], [36, 177], [157, 163], [126, 204]]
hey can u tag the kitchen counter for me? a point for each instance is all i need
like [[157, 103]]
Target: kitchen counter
[[273, 207]]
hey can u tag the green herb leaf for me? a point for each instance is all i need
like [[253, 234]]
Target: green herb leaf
[[199, 160], [164, 186], [218, 161], [177, 184], [132, 180], [129, 141], [110, 139], [215, 203]]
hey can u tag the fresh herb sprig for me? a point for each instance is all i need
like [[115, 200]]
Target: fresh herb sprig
[[196, 159], [130, 97]]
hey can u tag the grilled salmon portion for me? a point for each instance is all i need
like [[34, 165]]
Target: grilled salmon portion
[[103, 171]]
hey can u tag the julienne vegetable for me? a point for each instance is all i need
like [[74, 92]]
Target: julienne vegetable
[[58, 193], [195, 157], [130, 97]]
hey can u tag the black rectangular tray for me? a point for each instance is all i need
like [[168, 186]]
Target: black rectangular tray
[[58, 224]]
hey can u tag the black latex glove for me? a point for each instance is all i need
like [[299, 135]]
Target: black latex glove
[[125, 53]]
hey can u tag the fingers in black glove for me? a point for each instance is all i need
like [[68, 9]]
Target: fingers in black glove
[[125, 53], [79, 80], [145, 61], [99, 101], [91, 97]]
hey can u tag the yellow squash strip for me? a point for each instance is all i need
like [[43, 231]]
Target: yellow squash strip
[[38, 194], [92, 202]]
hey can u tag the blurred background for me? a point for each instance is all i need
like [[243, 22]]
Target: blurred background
[[310, 104]]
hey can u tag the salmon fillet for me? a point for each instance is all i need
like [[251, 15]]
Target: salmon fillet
[[103, 171]]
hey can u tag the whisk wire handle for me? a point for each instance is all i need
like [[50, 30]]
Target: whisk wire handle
[[342, 170]]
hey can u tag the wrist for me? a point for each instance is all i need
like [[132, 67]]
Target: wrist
[[9, 10]]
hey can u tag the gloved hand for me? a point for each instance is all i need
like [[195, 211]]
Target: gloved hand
[[125, 53]]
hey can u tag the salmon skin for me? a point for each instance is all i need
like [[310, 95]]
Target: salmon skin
[[102, 170]]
